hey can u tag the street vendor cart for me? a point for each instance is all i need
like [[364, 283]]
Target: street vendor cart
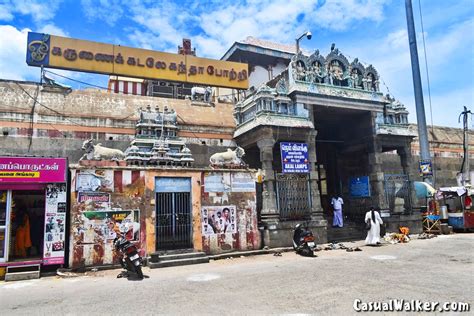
[[459, 204]]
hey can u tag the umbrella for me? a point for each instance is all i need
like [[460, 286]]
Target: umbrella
[[423, 189]]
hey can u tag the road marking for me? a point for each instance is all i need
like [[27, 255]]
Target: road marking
[[203, 277], [383, 257]]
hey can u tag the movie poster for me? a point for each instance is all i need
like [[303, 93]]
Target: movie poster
[[55, 224], [103, 226], [218, 219]]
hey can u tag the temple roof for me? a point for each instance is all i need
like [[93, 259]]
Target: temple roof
[[254, 46]]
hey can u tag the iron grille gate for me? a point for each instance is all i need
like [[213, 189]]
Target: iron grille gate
[[398, 193], [293, 196], [173, 215]]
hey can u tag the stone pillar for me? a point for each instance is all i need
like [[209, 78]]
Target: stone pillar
[[316, 209], [270, 213], [406, 160], [377, 177]]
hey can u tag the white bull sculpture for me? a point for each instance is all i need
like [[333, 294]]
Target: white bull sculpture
[[98, 152], [233, 157], [205, 93]]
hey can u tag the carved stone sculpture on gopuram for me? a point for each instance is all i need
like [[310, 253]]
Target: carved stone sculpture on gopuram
[[334, 70], [156, 140]]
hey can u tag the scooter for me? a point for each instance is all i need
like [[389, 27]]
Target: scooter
[[303, 241], [130, 260]]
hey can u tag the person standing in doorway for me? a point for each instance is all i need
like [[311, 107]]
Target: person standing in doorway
[[337, 203]]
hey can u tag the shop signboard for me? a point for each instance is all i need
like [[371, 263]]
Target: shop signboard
[[32, 170], [55, 224], [67, 53], [294, 158]]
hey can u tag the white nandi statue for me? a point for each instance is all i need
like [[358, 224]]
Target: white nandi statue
[[98, 152], [233, 157], [205, 93]]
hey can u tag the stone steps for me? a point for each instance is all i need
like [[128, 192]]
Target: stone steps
[[349, 232], [178, 262], [22, 272], [173, 259]]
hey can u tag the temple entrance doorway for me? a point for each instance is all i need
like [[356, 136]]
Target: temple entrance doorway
[[173, 213], [341, 150]]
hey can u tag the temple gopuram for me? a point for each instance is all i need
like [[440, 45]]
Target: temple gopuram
[[156, 141]]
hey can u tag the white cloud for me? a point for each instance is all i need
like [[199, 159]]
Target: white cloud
[[13, 54], [6, 13], [338, 15], [214, 27], [38, 10], [52, 30], [109, 11], [13, 61]]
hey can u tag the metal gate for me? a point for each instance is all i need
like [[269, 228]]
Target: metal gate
[[293, 196], [173, 213], [398, 193]]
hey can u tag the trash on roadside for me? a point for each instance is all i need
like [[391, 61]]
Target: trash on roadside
[[426, 236], [66, 274]]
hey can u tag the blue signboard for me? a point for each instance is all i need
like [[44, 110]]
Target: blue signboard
[[359, 187], [294, 157], [173, 184], [37, 53], [426, 169]]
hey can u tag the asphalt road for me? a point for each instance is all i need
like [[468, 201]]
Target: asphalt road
[[440, 269]]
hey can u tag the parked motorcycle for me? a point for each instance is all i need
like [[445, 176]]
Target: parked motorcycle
[[303, 241], [130, 260]]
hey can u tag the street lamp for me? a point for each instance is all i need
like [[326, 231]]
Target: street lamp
[[308, 36]]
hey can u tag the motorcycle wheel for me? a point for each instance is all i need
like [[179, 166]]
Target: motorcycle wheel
[[307, 251], [138, 270]]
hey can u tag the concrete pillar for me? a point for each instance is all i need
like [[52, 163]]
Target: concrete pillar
[[270, 213]]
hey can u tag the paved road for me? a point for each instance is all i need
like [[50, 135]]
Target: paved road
[[439, 269]]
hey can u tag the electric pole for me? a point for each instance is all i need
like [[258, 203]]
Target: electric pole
[[425, 157]]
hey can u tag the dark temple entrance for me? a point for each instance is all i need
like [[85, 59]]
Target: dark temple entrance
[[341, 148], [173, 213]]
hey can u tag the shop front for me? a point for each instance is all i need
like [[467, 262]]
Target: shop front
[[33, 209]]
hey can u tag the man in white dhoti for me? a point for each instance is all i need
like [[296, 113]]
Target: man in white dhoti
[[337, 203], [373, 235]]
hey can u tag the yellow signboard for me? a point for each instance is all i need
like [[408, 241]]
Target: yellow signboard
[[19, 174], [67, 53]]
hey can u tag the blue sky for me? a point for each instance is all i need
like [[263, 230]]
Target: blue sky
[[372, 30]]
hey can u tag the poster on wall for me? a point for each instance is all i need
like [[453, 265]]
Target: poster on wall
[[218, 219], [90, 180], [102, 226], [98, 199], [55, 224]]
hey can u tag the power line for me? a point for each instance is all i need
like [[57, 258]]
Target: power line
[[426, 66], [50, 109]]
